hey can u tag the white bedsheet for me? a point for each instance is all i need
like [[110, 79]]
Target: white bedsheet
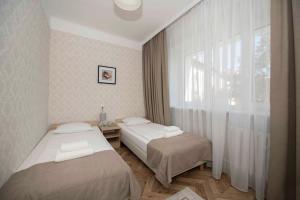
[[141, 135], [47, 148]]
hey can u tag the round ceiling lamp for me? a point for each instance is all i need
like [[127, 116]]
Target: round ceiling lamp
[[129, 5]]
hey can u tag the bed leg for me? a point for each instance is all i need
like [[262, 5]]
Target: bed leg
[[202, 167]]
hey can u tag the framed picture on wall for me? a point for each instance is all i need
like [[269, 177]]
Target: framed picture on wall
[[107, 75]]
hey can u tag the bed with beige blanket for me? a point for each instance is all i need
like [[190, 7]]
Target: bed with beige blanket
[[100, 175], [167, 156]]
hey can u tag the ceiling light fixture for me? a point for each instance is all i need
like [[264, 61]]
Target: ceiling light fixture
[[129, 5]]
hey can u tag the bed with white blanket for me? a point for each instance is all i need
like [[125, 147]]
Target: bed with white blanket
[[78, 165], [166, 150]]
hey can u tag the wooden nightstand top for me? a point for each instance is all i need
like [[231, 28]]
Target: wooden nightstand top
[[109, 128]]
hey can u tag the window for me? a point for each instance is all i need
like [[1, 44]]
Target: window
[[262, 65], [225, 66], [194, 77]]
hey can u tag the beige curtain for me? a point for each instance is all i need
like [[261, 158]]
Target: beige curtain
[[296, 22], [155, 78], [285, 105]]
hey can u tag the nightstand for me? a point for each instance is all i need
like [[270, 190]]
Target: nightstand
[[112, 134]]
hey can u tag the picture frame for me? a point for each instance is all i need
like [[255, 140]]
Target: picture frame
[[107, 75]]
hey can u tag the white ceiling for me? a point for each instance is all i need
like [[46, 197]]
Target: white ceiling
[[104, 16]]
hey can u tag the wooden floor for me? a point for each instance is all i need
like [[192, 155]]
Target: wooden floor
[[200, 181]]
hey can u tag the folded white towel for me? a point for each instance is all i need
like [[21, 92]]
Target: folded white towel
[[62, 156], [174, 133], [171, 128], [73, 146]]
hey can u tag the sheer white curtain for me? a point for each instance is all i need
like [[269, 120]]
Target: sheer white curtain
[[219, 73]]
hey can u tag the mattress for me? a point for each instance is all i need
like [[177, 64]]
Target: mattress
[[47, 148], [142, 134]]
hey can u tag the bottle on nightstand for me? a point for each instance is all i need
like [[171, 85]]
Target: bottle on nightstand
[[102, 116]]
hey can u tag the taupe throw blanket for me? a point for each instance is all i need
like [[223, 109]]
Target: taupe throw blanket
[[174, 155], [103, 175]]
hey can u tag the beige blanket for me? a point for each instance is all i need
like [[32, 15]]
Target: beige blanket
[[174, 155], [103, 175]]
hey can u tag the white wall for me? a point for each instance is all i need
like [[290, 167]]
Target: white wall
[[24, 60], [75, 94]]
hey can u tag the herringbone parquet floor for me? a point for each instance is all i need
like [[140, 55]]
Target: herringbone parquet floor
[[200, 181]]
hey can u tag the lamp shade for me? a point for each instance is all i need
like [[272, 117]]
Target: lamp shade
[[129, 5]]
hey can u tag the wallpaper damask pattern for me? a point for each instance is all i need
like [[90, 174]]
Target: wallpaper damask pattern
[[24, 61], [75, 94]]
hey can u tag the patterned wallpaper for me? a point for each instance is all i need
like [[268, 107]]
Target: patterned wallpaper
[[24, 60], [75, 94]]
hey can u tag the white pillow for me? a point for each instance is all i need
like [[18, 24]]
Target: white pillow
[[73, 127], [130, 121]]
